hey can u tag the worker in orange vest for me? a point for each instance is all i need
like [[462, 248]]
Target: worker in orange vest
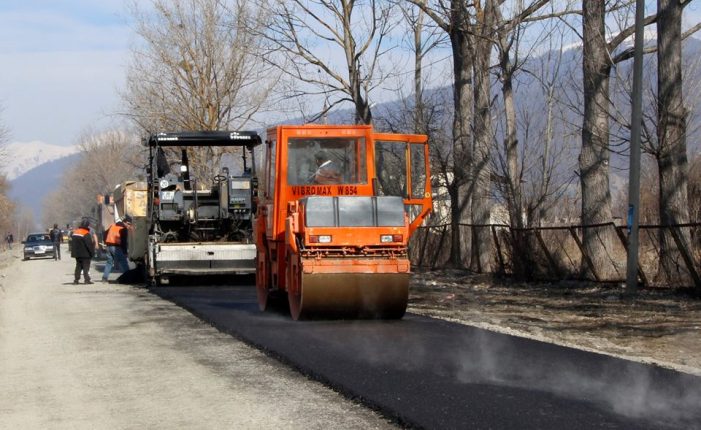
[[83, 250], [116, 239]]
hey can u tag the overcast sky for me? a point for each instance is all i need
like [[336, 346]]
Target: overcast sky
[[62, 63]]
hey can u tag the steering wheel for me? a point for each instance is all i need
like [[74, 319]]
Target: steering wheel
[[219, 178]]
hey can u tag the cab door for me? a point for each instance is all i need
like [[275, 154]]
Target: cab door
[[402, 169]]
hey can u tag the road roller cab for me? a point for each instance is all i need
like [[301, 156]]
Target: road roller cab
[[337, 207]]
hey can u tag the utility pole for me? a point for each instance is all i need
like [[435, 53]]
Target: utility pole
[[634, 173]]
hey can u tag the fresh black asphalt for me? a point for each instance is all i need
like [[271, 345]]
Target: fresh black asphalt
[[428, 373]]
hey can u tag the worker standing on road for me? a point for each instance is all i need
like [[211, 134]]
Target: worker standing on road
[[56, 238], [116, 239], [82, 249]]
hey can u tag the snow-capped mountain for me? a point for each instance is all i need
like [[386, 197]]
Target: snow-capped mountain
[[24, 156]]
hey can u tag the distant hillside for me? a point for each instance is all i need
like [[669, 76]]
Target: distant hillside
[[31, 188], [24, 156]]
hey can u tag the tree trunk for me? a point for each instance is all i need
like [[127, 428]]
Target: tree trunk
[[363, 115], [594, 156], [419, 116], [462, 149], [455, 245], [671, 134], [511, 144], [540, 212], [481, 260], [506, 75]]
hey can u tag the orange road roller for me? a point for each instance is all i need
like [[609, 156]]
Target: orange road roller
[[337, 205]]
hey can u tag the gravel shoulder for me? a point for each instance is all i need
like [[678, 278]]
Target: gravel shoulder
[[114, 356]]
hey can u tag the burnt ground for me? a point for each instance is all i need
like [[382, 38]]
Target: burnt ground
[[661, 326]]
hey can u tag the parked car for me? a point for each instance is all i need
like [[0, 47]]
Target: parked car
[[38, 245]]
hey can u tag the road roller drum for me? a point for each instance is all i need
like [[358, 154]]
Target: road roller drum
[[345, 295]]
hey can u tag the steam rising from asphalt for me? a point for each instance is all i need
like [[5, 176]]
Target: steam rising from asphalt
[[626, 387], [481, 357]]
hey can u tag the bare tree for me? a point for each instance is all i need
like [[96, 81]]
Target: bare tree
[[420, 39], [511, 58], [472, 28], [695, 190], [484, 33], [671, 131], [665, 126], [424, 40], [542, 195], [24, 223], [424, 110], [455, 19], [547, 171], [508, 39], [107, 159], [198, 67], [304, 36], [599, 56], [532, 170], [595, 156], [4, 137], [532, 174], [7, 206]]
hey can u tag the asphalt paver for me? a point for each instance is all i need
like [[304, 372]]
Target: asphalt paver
[[429, 373]]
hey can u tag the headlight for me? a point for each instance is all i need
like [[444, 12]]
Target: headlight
[[320, 239], [27, 248], [388, 238]]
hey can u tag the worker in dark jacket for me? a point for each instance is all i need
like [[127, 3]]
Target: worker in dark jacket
[[116, 239], [83, 250], [56, 239]]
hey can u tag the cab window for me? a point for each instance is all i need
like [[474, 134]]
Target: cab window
[[390, 165], [325, 161], [418, 171]]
